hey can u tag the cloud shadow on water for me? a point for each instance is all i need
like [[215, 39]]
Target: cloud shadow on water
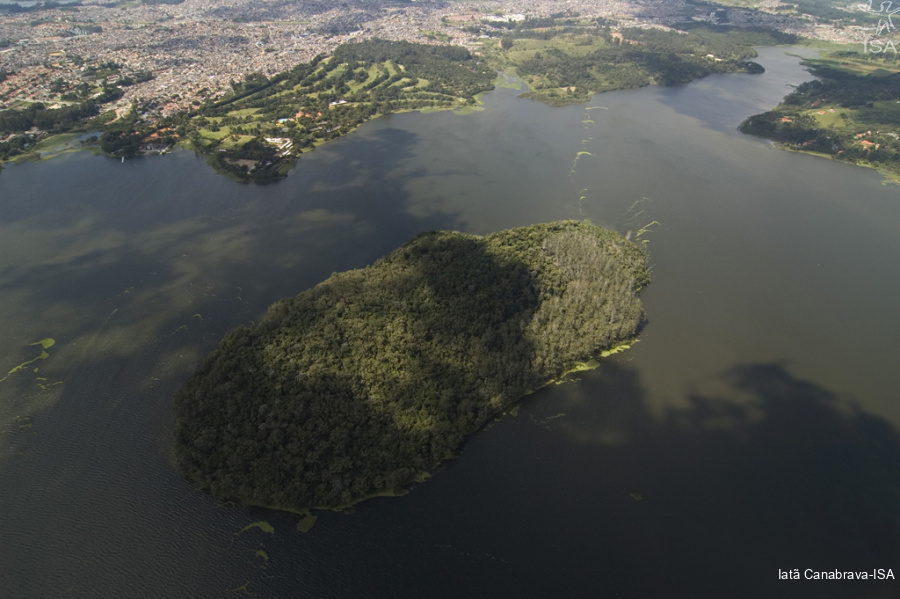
[[184, 259], [712, 499]]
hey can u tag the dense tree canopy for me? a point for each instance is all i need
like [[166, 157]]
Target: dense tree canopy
[[376, 375]]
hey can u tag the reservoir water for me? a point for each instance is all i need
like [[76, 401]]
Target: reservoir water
[[752, 430]]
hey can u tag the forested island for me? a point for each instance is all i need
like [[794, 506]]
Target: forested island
[[375, 376], [850, 113]]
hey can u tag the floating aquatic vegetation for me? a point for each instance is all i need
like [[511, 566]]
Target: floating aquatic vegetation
[[45, 344], [645, 229], [244, 588], [306, 522], [618, 348], [261, 524]]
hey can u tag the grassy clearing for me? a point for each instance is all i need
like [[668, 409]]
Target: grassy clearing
[[244, 112], [827, 119], [230, 143], [51, 147], [373, 71], [337, 72], [435, 35], [573, 45], [855, 64], [221, 133], [56, 142], [827, 46]]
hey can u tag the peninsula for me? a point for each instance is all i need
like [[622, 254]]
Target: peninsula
[[375, 376], [566, 61], [257, 133], [850, 113]]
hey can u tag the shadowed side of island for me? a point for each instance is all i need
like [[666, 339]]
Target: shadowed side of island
[[357, 386]]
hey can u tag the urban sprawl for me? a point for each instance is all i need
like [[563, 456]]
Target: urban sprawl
[[196, 50]]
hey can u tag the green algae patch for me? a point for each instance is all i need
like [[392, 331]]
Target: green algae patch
[[306, 523], [645, 229], [244, 588], [352, 389], [618, 348], [261, 524], [45, 344]]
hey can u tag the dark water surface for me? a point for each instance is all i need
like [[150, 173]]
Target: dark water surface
[[753, 428]]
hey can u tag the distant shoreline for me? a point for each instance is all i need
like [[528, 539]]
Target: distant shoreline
[[850, 113]]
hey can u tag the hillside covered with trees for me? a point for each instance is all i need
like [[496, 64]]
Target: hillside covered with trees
[[566, 60], [376, 375]]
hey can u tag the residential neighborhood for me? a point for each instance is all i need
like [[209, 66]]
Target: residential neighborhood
[[197, 49]]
